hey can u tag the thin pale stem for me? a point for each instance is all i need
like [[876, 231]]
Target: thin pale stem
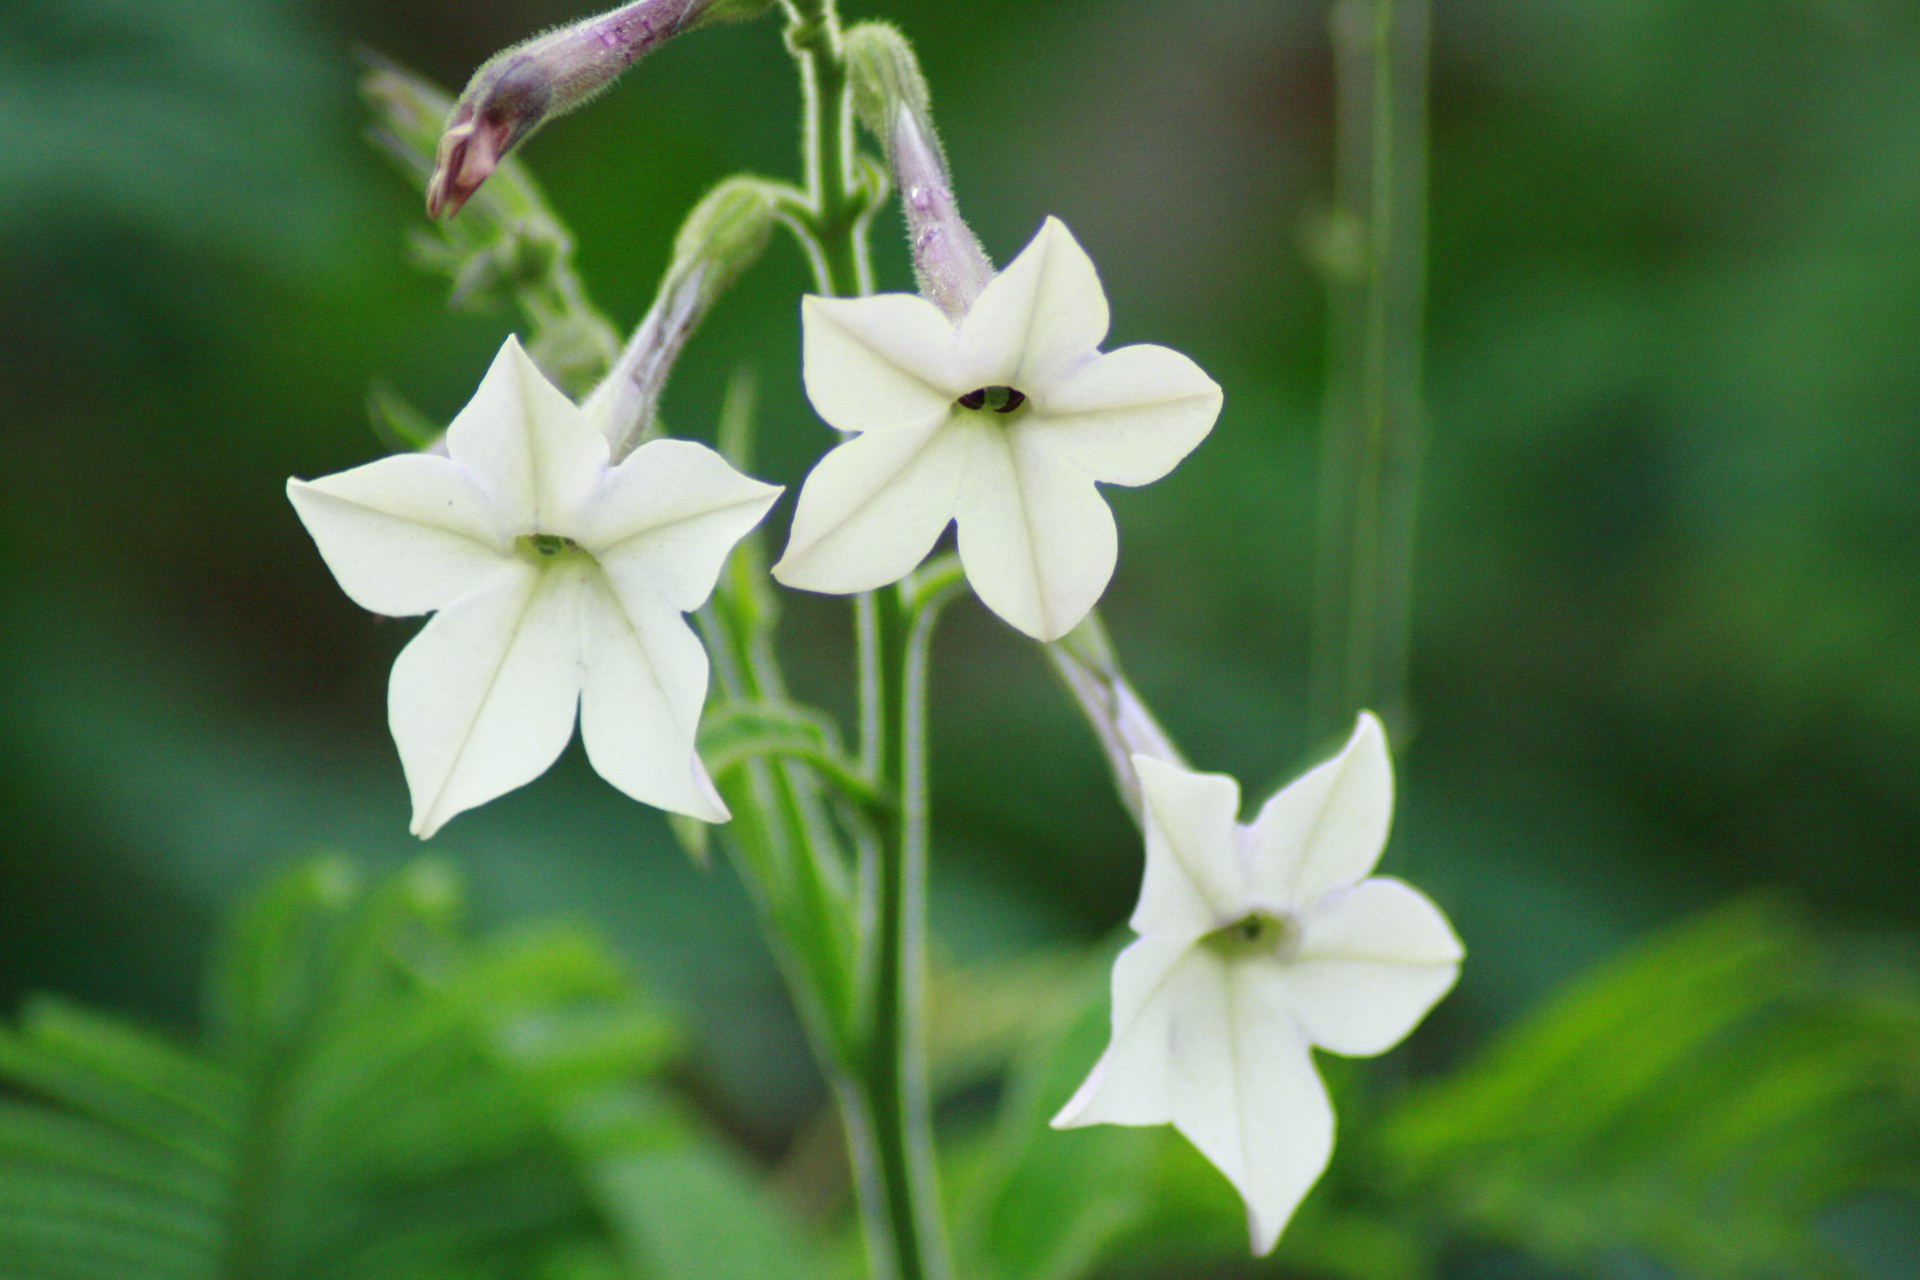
[[1375, 423]]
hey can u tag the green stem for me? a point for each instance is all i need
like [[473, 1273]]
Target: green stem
[[1375, 424], [885, 1106]]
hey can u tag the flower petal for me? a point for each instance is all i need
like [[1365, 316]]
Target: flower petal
[[1130, 416], [532, 449], [483, 699], [1325, 830], [875, 363], [1045, 313], [1036, 537], [668, 515], [873, 508], [646, 679], [1373, 960], [1129, 1083], [1192, 881], [403, 535], [1245, 1091]]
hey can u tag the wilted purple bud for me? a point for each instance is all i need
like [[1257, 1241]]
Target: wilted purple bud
[[541, 79]]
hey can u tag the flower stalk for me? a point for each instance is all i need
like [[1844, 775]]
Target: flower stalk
[[1375, 430], [884, 1102]]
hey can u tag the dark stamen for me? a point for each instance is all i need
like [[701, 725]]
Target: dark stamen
[[998, 399]]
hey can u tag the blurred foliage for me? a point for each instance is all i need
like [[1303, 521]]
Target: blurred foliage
[[506, 247], [377, 1095]]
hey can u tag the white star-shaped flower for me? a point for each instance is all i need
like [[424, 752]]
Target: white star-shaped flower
[[557, 581], [1257, 944], [1003, 423]]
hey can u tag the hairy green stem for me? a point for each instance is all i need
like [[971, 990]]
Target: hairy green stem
[[885, 1106], [1375, 424]]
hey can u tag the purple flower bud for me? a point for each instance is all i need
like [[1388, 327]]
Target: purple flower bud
[[541, 79], [951, 266]]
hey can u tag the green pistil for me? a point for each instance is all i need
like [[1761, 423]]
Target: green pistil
[[549, 546], [1256, 934]]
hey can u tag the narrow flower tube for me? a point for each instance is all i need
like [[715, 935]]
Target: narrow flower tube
[[1086, 663], [541, 79], [722, 237]]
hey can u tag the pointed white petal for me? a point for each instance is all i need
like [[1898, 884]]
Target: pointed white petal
[[1373, 960], [404, 535], [1037, 319], [483, 699], [528, 445], [1129, 1083], [1192, 881], [668, 516], [1036, 537], [881, 362], [646, 679], [1128, 417], [1245, 1091], [873, 508], [1325, 830]]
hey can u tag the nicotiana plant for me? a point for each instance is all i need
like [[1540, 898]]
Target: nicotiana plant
[[560, 546]]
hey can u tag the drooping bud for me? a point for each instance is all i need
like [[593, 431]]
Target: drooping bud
[[722, 237], [890, 96], [510, 248], [541, 79]]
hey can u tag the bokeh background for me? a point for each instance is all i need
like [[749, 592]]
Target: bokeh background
[[1667, 623]]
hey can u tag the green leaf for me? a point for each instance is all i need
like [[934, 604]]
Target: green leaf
[[1702, 1104], [380, 1098]]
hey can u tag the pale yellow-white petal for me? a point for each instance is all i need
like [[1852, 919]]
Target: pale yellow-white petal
[[528, 445], [1037, 319], [872, 364], [668, 516], [1037, 539], [1192, 881], [646, 679], [1325, 830], [1127, 417], [1245, 1091], [1373, 960], [1128, 1085], [403, 535], [873, 508], [482, 701]]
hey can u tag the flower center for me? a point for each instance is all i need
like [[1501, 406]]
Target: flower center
[[548, 546], [998, 399], [1257, 934]]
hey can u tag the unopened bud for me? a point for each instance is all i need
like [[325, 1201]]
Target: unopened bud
[[542, 79], [723, 236], [948, 261], [890, 96]]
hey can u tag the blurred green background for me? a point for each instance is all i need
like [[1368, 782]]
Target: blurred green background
[[1667, 627]]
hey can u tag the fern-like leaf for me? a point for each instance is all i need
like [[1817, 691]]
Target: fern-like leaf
[[380, 1098]]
